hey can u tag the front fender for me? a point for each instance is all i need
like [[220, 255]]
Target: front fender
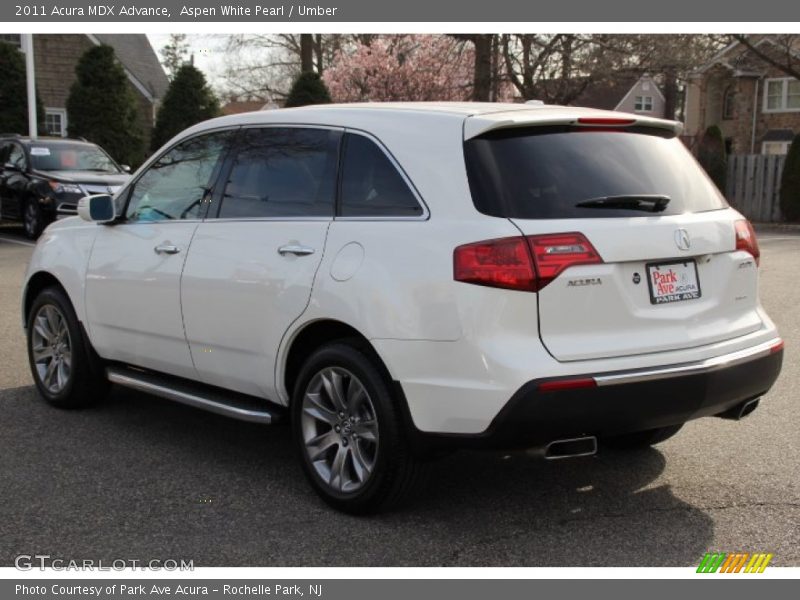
[[62, 253]]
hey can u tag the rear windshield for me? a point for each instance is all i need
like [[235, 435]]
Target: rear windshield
[[546, 172]]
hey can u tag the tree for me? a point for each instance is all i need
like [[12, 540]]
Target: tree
[[174, 54], [188, 100], [306, 52], [14, 93], [308, 89], [402, 67], [102, 108], [711, 155], [790, 182], [781, 51]]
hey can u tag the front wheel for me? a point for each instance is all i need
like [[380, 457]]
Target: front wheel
[[33, 219], [65, 368], [349, 433]]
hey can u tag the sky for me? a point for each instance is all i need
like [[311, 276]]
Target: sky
[[208, 50]]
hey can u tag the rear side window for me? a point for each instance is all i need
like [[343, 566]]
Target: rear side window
[[547, 172], [371, 184], [282, 172]]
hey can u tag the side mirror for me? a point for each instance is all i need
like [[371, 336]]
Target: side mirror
[[96, 209], [126, 168]]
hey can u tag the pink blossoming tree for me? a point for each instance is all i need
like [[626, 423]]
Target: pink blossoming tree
[[402, 67]]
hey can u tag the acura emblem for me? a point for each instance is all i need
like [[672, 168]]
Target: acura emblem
[[682, 240]]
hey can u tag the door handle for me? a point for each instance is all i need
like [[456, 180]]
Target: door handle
[[166, 249], [295, 249]]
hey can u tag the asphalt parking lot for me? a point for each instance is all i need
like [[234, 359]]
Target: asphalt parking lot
[[142, 478]]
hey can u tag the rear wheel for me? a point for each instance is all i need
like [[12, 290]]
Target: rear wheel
[[32, 219], [641, 439], [66, 370], [349, 432]]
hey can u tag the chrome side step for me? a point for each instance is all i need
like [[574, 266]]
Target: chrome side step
[[229, 404]]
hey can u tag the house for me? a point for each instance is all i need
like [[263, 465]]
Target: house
[[755, 104], [625, 92], [55, 59], [236, 106]]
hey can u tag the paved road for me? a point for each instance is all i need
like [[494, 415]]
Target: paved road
[[141, 478]]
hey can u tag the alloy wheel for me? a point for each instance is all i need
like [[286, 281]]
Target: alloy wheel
[[51, 348], [340, 429]]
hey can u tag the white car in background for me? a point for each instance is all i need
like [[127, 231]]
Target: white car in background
[[404, 278]]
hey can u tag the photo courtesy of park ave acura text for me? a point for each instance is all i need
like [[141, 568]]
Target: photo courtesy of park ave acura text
[[397, 299]]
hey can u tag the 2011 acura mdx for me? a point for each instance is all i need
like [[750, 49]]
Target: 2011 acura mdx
[[404, 278]]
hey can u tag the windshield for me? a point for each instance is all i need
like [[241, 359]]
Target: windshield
[[71, 157], [564, 172]]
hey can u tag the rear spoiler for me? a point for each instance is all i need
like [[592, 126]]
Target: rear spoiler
[[539, 117]]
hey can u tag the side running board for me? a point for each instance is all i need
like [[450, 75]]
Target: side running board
[[229, 404]]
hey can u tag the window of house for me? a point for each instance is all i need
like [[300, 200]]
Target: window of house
[[11, 38], [775, 147], [371, 184], [782, 95], [729, 103], [55, 121], [643, 103], [286, 172]]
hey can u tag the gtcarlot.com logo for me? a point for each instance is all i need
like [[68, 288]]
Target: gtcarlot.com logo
[[28, 562], [735, 562]]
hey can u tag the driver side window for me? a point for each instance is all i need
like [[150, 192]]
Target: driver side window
[[175, 186]]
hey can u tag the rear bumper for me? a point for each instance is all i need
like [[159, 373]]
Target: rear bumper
[[612, 403]]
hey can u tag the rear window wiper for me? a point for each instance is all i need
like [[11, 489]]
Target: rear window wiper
[[646, 202]]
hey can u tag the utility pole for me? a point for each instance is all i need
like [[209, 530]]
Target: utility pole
[[31, 76]]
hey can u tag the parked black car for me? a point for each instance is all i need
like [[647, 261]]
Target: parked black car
[[43, 179]]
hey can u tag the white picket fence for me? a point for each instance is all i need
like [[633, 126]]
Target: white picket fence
[[753, 185]]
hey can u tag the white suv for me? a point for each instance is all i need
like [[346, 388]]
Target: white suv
[[400, 279]]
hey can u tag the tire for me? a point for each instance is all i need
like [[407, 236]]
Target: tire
[[32, 219], [642, 439], [348, 431], [65, 368]]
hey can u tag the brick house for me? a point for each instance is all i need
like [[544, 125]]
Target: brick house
[[57, 55], [755, 105]]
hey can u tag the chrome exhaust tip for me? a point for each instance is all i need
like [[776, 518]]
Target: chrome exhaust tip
[[571, 448], [740, 411]]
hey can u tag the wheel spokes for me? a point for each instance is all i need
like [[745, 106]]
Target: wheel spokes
[[340, 429], [321, 444], [337, 472], [367, 430], [319, 411]]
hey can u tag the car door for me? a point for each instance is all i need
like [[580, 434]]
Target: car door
[[253, 261], [133, 278]]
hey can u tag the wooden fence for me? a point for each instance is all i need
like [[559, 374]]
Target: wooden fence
[[753, 185]]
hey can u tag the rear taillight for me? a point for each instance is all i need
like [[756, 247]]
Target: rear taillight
[[746, 239], [503, 263], [518, 263], [553, 253]]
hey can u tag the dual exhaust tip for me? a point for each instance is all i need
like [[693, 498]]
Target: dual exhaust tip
[[587, 445]]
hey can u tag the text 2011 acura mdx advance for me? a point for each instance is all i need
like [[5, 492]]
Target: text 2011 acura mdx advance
[[405, 278]]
